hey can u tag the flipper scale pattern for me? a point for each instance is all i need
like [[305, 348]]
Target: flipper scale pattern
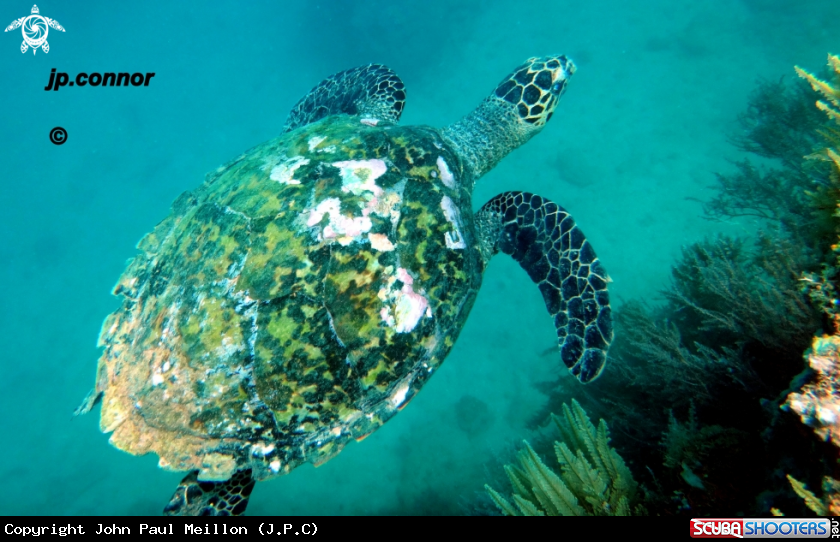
[[544, 239]]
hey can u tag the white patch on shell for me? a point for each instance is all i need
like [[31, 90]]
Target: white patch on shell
[[274, 465], [227, 349], [386, 315], [315, 141], [398, 397], [445, 174], [404, 307], [370, 122], [404, 276], [345, 228], [380, 242], [262, 448], [454, 239], [387, 204], [358, 176], [410, 308], [341, 228], [284, 172]]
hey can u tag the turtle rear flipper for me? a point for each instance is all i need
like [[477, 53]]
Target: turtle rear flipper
[[544, 239], [90, 401], [196, 498], [369, 91]]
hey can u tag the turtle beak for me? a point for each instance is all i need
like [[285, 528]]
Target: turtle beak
[[559, 87], [561, 75], [567, 65]]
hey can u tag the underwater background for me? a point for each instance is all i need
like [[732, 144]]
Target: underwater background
[[632, 152]]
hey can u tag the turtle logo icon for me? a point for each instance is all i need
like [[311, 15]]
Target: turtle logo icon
[[35, 30]]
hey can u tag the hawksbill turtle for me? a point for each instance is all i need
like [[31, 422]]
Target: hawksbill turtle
[[309, 288]]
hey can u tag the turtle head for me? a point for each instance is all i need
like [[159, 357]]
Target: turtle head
[[534, 88], [517, 110]]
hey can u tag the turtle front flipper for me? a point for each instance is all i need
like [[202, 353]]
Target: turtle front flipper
[[197, 498], [15, 24], [544, 239], [372, 91]]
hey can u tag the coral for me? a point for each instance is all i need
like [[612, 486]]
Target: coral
[[727, 305], [730, 334], [821, 287], [772, 194], [818, 403], [821, 507], [779, 124], [703, 460], [690, 444], [652, 355], [825, 193], [782, 125], [593, 479], [722, 290], [831, 92]]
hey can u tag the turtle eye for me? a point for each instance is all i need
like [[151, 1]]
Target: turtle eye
[[557, 87]]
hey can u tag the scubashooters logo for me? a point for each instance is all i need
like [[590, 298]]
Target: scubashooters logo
[[35, 29], [762, 528]]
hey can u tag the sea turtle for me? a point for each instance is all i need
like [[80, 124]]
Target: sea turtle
[[308, 289], [35, 29]]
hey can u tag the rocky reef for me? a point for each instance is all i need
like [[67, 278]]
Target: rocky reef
[[818, 402]]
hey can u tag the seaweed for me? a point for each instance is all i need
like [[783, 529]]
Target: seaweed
[[724, 295], [779, 127], [727, 307], [690, 444], [650, 353], [780, 122]]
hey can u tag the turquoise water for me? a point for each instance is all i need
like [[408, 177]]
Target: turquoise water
[[640, 131]]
